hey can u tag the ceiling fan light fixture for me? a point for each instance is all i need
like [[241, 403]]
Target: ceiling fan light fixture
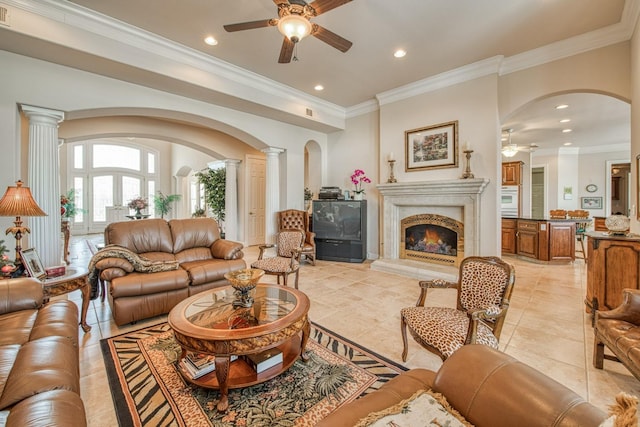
[[294, 27], [509, 150]]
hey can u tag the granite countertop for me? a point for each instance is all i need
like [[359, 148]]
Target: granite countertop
[[606, 235], [545, 219]]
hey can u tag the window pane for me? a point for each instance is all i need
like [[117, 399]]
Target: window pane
[[78, 161], [130, 189], [102, 196], [78, 186], [151, 164], [116, 156], [152, 190]]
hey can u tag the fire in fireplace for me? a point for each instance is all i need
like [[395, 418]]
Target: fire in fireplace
[[432, 238]]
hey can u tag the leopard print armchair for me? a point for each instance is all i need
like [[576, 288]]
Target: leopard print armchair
[[484, 288], [296, 219], [288, 248]]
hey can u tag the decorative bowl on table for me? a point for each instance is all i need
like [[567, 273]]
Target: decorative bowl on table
[[617, 224], [244, 281]]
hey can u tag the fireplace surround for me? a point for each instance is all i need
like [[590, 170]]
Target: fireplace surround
[[457, 200]]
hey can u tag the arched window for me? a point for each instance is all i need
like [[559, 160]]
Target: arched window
[[107, 174]]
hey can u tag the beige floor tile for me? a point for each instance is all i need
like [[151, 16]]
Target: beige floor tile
[[546, 325]]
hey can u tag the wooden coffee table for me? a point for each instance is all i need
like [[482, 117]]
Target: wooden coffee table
[[208, 323]]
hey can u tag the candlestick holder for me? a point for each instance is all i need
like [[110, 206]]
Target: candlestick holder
[[467, 173], [392, 178]]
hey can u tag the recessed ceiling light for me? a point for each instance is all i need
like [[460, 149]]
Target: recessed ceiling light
[[567, 130], [561, 106], [565, 120], [400, 53], [567, 143], [318, 87], [211, 41]]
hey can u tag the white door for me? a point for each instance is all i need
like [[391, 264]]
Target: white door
[[255, 191]]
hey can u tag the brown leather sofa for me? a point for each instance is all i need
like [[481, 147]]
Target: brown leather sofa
[[194, 243], [619, 330], [487, 387], [40, 369]]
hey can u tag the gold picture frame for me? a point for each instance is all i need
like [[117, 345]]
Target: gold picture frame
[[432, 147]]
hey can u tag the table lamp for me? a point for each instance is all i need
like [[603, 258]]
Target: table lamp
[[18, 201]]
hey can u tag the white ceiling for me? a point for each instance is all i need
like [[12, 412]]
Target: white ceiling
[[438, 35]]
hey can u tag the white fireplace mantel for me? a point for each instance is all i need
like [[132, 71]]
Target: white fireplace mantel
[[456, 198]]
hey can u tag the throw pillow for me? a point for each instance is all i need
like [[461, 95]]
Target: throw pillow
[[425, 407]]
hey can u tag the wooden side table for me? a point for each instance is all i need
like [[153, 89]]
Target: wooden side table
[[75, 278], [65, 227]]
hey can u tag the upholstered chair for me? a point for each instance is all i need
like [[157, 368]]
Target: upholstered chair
[[484, 288], [288, 248], [296, 219]]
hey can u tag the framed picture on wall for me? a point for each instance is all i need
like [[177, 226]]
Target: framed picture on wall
[[32, 263], [432, 147], [591, 202]]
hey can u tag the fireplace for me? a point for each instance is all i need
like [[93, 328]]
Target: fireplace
[[430, 206], [432, 238]]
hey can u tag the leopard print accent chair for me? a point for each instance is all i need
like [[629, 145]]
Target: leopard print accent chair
[[297, 219], [484, 288], [287, 260]]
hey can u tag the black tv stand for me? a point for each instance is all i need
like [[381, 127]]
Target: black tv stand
[[341, 230]]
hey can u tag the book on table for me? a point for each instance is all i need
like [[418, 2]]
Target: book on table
[[265, 359], [196, 365]]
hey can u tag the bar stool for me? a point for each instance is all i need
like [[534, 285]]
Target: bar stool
[[581, 228]]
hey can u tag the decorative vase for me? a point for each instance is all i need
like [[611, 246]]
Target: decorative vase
[[244, 281], [138, 213], [358, 195], [617, 224]]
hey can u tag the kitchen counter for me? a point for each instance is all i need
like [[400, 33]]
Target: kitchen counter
[[550, 219]]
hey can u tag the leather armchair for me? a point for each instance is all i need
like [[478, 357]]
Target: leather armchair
[[293, 219]]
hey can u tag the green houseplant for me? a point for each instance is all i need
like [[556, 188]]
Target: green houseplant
[[68, 207], [214, 182], [162, 203]]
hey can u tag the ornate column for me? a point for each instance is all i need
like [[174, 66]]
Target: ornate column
[[44, 181], [272, 199], [231, 199]]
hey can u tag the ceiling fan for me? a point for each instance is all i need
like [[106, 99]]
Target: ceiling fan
[[294, 23], [510, 149]]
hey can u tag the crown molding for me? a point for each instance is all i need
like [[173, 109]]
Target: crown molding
[[362, 108], [442, 80]]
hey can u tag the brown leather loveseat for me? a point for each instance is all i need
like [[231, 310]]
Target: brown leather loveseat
[[487, 387], [619, 330], [194, 244], [40, 369]]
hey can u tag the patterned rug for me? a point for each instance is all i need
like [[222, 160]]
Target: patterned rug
[[148, 390]]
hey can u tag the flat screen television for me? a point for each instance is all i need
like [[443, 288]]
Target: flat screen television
[[337, 219]]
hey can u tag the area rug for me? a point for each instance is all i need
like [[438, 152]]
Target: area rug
[[148, 390]]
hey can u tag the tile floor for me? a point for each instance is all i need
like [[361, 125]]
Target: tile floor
[[546, 327]]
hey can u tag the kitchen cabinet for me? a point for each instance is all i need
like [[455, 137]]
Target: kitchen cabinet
[[598, 223], [527, 239], [509, 236], [512, 173], [542, 240], [614, 264]]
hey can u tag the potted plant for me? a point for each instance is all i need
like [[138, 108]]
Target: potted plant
[[308, 196], [68, 208], [199, 213], [214, 182], [137, 205], [162, 203], [357, 179]]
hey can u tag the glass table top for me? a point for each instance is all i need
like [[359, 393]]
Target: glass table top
[[215, 310]]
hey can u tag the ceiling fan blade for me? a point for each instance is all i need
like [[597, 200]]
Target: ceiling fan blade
[[331, 38], [322, 6], [286, 52], [279, 2], [251, 25]]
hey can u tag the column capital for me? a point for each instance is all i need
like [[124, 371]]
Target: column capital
[[272, 151], [233, 162], [42, 113]]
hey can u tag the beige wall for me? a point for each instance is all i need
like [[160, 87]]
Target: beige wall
[[635, 128]]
